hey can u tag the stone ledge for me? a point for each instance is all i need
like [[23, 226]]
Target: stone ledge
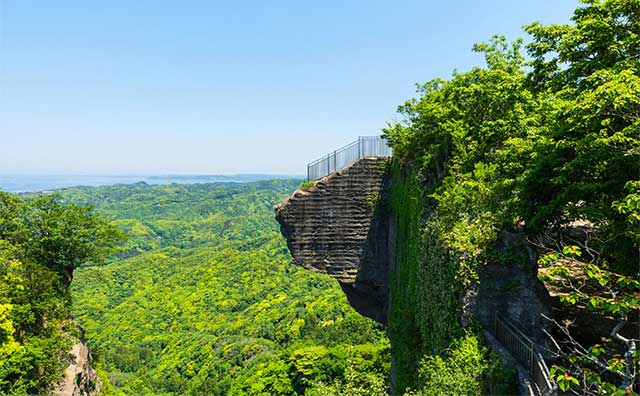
[[338, 227]]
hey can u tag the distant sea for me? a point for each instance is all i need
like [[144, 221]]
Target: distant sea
[[35, 183]]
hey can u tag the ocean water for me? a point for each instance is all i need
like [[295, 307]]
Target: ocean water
[[35, 183]]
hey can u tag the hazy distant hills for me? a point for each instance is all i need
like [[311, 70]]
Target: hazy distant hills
[[33, 183]]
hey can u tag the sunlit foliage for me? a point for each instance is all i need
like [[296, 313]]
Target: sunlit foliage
[[205, 302]]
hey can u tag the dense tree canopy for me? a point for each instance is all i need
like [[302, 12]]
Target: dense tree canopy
[[506, 147], [541, 145], [41, 241], [203, 299], [588, 74]]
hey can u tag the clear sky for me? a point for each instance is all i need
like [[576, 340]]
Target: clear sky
[[184, 87]]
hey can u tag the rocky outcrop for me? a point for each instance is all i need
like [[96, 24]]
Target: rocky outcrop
[[344, 226], [79, 378], [509, 286], [338, 227]]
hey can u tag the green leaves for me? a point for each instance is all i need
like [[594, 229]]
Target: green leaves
[[562, 378], [570, 298], [565, 382], [572, 251], [617, 364], [630, 204], [629, 283], [548, 259], [214, 307], [596, 350], [460, 370]]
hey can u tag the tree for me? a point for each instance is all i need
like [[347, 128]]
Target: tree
[[41, 241], [57, 235], [591, 369], [588, 74]]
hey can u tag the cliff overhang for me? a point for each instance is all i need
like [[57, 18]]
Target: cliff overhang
[[338, 227]]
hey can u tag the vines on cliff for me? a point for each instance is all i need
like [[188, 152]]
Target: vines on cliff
[[509, 148], [429, 345]]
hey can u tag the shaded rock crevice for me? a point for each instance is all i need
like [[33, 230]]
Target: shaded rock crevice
[[509, 286]]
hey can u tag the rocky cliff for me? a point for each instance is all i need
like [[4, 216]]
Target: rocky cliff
[[509, 287], [352, 226], [338, 227], [80, 378], [343, 226]]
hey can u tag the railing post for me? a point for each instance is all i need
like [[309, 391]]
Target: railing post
[[522, 348], [532, 360], [359, 151], [334, 161], [495, 323]]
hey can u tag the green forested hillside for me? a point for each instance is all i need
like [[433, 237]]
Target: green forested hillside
[[42, 241], [204, 301]]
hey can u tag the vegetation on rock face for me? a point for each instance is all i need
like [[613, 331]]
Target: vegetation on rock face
[[204, 301], [41, 242], [432, 353], [307, 185], [509, 148]]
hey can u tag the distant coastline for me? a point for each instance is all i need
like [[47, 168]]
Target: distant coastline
[[37, 183]]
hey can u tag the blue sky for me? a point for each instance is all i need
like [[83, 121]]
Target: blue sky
[[202, 87]]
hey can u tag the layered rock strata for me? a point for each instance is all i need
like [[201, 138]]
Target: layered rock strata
[[338, 227]]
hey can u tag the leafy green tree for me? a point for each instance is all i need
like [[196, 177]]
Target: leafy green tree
[[467, 137], [588, 75], [41, 241], [355, 383], [64, 236], [463, 370], [589, 369], [458, 122]]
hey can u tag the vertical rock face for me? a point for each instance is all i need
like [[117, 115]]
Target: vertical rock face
[[338, 227], [79, 377], [509, 286], [343, 226]]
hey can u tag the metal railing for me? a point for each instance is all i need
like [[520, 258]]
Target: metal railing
[[365, 146], [524, 350]]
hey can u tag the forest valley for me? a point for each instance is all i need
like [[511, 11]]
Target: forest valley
[[188, 290]]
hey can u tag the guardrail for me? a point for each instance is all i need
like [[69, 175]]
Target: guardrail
[[524, 350], [365, 146]]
